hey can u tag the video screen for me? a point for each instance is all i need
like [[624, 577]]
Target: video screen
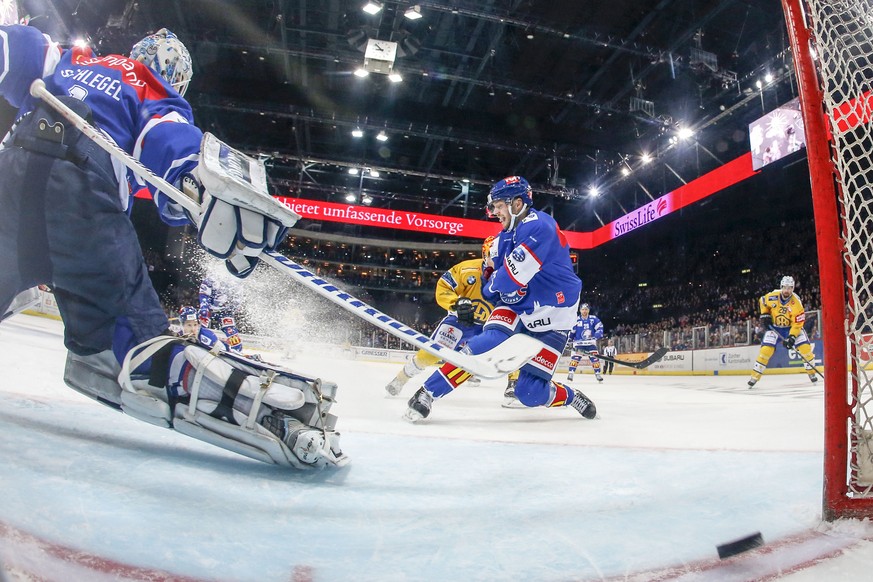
[[777, 134]]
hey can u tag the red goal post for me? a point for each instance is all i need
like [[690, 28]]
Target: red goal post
[[832, 44]]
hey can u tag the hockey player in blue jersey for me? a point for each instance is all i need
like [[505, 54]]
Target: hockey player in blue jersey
[[586, 332], [65, 222], [535, 292], [216, 307]]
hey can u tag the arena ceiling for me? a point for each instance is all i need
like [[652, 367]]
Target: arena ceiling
[[568, 93]]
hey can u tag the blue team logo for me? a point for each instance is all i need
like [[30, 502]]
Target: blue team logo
[[519, 255], [514, 297]]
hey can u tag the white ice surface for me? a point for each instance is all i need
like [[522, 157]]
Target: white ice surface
[[673, 467]]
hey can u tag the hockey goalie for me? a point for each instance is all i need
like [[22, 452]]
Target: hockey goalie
[[66, 201]]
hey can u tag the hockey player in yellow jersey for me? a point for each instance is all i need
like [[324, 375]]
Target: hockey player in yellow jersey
[[459, 292], [782, 317]]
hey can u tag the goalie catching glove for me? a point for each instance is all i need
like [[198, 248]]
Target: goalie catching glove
[[238, 218]]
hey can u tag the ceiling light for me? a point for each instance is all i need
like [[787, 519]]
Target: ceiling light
[[759, 84], [353, 171], [395, 77], [685, 133], [350, 198], [768, 77], [381, 136], [372, 7], [357, 132], [374, 173], [361, 72], [646, 158], [413, 13], [367, 199], [594, 191], [625, 171]]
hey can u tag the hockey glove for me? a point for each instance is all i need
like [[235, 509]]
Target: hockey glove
[[789, 342], [465, 310], [766, 320]]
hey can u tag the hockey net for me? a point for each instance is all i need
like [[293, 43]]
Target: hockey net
[[832, 44]]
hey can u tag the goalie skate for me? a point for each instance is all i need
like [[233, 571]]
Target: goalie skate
[[223, 399]]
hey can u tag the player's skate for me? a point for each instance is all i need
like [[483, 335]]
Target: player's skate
[[752, 382], [570, 377], [813, 378], [419, 406], [598, 376], [509, 399], [583, 405], [394, 387], [473, 382]]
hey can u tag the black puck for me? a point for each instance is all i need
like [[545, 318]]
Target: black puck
[[741, 545]]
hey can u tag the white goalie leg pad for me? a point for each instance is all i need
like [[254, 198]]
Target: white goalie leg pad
[[228, 398]]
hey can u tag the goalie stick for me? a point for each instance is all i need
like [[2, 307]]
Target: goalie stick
[[799, 355], [656, 356], [497, 362]]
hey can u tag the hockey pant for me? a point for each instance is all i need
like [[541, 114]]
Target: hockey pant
[[227, 324], [217, 397], [449, 333], [62, 224], [535, 386], [590, 350], [768, 347]]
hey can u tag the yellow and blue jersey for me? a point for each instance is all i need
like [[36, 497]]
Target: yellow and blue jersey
[[788, 314], [464, 280]]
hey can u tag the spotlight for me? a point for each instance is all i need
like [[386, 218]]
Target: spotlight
[[685, 133], [357, 132], [351, 198], [381, 136], [646, 158], [413, 13], [395, 77], [372, 7], [353, 171], [594, 191], [361, 72]]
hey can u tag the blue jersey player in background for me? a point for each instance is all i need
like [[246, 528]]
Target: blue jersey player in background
[[586, 332], [535, 291], [216, 306]]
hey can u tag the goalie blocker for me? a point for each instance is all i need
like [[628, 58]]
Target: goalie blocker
[[252, 408]]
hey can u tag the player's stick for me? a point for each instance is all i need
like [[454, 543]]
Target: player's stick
[[799, 355], [657, 355], [505, 358]]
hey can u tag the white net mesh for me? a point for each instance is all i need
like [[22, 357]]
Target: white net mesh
[[843, 33]]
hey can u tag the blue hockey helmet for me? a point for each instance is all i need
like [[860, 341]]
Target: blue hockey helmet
[[165, 54], [510, 188], [187, 313]]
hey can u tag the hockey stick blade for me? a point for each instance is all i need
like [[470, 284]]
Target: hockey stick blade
[[656, 356], [505, 358]]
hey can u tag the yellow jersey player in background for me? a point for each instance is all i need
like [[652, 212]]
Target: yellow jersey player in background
[[459, 292], [782, 317]]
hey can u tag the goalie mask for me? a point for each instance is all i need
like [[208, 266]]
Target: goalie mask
[[165, 54]]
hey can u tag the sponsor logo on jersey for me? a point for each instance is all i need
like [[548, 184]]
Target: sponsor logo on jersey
[[546, 358], [518, 254], [511, 180], [226, 321], [560, 297], [233, 340], [471, 280], [538, 323], [504, 316]]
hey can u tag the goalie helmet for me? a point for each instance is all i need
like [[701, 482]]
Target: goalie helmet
[[510, 188], [165, 54], [787, 281]]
